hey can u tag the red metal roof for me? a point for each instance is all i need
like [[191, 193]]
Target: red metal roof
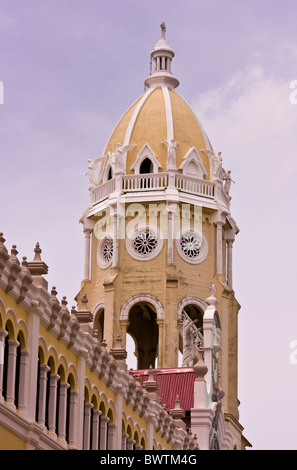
[[172, 382]]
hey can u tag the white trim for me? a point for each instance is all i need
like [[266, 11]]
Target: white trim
[[168, 110], [146, 152], [190, 301], [148, 298], [193, 156], [204, 246], [130, 242], [100, 260]]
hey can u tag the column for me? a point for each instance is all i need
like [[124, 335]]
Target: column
[[124, 441], [160, 323], [170, 238], [87, 233], [72, 422], [115, 256], [130, 444], [111, 429], [3, 334], [124, 326], [11, 372], [62, 411], [43, 370], [52, 402], [103, 432], [87, 425], [22, 380], [229, 263], [219, 249], [95, 429]]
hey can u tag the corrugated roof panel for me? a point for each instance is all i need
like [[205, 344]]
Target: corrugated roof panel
[[172, 382]]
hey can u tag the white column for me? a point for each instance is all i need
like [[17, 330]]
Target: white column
[[124, 441], [52, 402], [87, 425], [229, 263], [33, 345], [62, 411], [130, 444], [43, 370], [219, 249], [3, 334], [103, 432], [115, 256], [87, 233], [118, 418], [111, 430], [170, 237], [72, 422], [95, 430], [23, 374], [80, 410], [11, 372]]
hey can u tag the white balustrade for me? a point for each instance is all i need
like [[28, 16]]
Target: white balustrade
[[154, 182], [191, 185], [102, 191], [150, 181]]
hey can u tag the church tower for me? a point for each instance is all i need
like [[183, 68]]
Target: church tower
[[159, 231]]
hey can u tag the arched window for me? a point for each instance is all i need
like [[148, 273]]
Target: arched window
[[146, 166], [109, 174]]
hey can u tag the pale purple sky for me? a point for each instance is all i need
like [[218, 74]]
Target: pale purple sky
[[70, 68]]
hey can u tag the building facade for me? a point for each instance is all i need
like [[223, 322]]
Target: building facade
[[158, 267]]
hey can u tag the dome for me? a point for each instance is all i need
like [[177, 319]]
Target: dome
[[160, 114]]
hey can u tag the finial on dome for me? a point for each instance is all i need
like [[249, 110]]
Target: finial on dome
[[163, 30], [161, 58]]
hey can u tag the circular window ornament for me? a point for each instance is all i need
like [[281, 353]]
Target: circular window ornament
[[192, 246], [105, 252], [144, 243]]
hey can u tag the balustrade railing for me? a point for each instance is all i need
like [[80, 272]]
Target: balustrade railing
[[145, 182], [154, 182], [191, 185]]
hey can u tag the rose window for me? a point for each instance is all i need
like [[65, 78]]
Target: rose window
[[191, 245], [145, 242], [107, 250]]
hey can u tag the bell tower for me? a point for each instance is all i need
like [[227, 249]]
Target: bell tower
[[159, 231]]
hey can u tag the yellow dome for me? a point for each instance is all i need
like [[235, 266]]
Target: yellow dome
[[160, 114]]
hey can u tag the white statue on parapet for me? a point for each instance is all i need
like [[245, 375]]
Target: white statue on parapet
[[171, 153], [92, 166], [217, 160], [228, 180], [188, 341], [117, 157]]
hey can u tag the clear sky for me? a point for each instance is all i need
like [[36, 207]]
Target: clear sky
[[70, 69]]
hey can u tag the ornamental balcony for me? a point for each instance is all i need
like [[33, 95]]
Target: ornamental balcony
[[156, 182]]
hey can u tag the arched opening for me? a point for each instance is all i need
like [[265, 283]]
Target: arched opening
[[144, 330], [99, 324], [193, 313], [109, 174], [146, 166]]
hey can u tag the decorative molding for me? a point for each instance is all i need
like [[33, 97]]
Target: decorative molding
[[148, 298], [146, 152]]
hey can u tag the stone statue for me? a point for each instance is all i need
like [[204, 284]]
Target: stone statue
[[171, 153], [217, 162], [117, 157], [228, 181], [188, 342], [92, 166]]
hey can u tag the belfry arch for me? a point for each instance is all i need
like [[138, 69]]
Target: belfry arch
[[141, 315], [194, 308]]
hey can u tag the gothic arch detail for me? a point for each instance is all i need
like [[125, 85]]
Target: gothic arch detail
[[141, 298], [190, 300]]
